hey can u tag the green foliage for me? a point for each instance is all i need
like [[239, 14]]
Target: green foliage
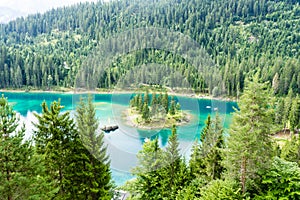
[[172, 110], [294, 115], [95, 176], [152, 108], [288, 112], [207, 156], [221, 190], [160, 173], [280, 181], [165, 102], [192, 190], [20, 168], [249, 145], [55, 138], [174, 171], [146, 112], [238, 35], [148, 172], [291, 150]]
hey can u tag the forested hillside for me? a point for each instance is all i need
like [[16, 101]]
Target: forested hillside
[[45, 50], [248, 49]]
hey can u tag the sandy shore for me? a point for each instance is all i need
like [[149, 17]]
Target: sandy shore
[[71, 91]]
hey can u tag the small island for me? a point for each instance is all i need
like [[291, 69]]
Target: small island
[[152, 111]]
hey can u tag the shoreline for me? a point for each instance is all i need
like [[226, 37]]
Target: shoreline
[[70, 91]]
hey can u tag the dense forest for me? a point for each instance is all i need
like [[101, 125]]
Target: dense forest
[[248, 49], [47, 50]]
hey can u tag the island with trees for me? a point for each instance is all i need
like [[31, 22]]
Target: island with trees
[[152, 111]]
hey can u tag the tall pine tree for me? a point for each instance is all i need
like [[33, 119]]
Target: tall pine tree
[[55, 137], [249, 144], [175, 170], [97, 175], [19, 166]]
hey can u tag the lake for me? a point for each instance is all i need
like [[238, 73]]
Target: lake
[[124, 143]]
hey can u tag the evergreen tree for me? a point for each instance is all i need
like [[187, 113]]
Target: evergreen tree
[[197, 163], [165, 102], [280, 181], [215, 144], [279, 112], [97, 176], [206, 156], [294, 115], [172, 110], [287, 108], [146, 112], [249, 144], [175, 170], [19, 166], [160, 99], [154, 105], [54, 139], [291, 150], [146, 97], [148, 172], [140, 103]]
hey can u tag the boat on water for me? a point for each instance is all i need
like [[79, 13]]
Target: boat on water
[[110, 128]]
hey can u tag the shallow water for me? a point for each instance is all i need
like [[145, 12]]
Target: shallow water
[[124, 143]]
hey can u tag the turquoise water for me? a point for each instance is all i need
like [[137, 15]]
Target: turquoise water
[[124, 143]]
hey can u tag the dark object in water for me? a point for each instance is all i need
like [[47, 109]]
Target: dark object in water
[[109, 128]]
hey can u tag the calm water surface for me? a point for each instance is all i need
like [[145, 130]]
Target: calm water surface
[[124, 143]]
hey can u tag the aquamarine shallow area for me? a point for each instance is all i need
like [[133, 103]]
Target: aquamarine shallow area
[[124, 143]]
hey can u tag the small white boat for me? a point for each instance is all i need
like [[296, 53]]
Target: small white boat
[[208, 107]]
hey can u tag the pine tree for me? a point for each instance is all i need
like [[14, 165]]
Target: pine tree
[[291, 150], [19, 166], [287, 108], [54, 139], [280, 181], [172, 110], [160, 99], [148, 172], [97, 176], [197, 163], [215, 143], [146, 97], [146, 112], [165, 102], [206, 156], [249, 144], [140, 103], [279, 112], [294, 115], [175, 170], [154, 105]]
